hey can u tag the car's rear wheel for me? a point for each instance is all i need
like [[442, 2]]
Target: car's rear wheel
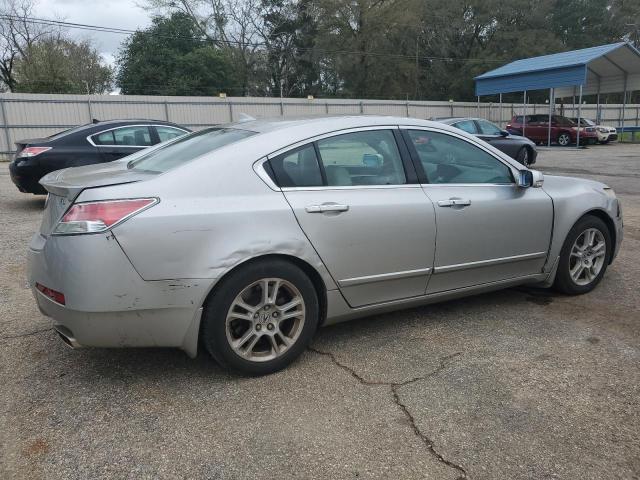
[[523, 156], [261, 317], [564, 139], [584, 256]]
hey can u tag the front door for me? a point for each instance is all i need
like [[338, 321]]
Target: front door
[[489, 229], [373, 229]]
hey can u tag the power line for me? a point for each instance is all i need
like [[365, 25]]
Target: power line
[[233, 43]]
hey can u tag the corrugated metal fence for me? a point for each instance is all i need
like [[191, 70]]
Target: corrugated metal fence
[[38, 115]]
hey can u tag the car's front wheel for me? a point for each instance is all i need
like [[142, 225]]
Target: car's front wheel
[[564, 139], [261, 317], [584, 256]]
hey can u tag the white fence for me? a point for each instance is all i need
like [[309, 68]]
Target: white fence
[[38, 115]]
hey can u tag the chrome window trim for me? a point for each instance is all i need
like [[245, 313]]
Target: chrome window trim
[[488, 263], [334, 133], [258, 167], [89, 137], [383, 277], [472, 141], [349, 187]]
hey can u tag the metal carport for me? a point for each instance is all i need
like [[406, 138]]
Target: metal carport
[[591, 71]]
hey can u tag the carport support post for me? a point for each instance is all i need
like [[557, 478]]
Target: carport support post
[[500, 110], [552, 101], [624, 106], [478, 107], [579, 115], [524, 115]]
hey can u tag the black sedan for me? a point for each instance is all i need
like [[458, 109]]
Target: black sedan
[[96, 142], [519, 148]]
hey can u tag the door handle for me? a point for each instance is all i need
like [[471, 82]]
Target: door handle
[[326, 207], [454, 202]]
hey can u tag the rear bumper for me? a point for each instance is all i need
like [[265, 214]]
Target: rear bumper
[[26, 179], [107, 304]]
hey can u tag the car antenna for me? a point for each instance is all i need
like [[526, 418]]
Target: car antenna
[[95, 120]]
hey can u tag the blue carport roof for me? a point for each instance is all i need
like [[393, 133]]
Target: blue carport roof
[[548, 71]]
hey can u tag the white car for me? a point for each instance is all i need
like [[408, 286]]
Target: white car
[[605, 133]]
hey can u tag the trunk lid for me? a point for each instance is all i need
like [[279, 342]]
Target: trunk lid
[[65, 185]]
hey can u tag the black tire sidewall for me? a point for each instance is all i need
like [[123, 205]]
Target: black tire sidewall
[[563, 282], [213, 330]]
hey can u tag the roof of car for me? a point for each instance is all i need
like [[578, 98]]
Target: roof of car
[[328, 123]]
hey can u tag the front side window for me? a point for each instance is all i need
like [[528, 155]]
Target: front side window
[[187, 148], [488, 128], [297, 168], [168, 133], [448, 159], [467, 125], [362, 158], [136, 136]]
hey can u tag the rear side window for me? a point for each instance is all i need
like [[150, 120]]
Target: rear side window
[[187, 148], [297, 168], [136, 136], [362, 158]]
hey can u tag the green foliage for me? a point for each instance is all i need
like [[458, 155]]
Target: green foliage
[[59, 65], [172, 57]]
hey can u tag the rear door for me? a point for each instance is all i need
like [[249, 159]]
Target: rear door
[[119, 142], [489, 229], [357, 199]]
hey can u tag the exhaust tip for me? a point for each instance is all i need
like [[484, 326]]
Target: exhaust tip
[[67, 337]]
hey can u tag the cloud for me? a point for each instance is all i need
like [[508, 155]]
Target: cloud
[[107, 13]]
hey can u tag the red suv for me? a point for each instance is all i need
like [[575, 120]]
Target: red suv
[[563, 131]]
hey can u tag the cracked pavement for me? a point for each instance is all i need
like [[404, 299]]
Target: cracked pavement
[[518, 384]]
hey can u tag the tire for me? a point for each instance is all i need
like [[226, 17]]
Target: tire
[[589, 277], [279, 340], [523, 156], [564, 139]]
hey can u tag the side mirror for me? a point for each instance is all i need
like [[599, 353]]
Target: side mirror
[[504, 133], [530, 178]]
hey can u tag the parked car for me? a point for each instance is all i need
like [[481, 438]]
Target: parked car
[[517, 147], [564, 132], [605, 133], [247, 237], [97, 142]]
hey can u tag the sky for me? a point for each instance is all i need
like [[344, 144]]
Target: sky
[[107, 13]]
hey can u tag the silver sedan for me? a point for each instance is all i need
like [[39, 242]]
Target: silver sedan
[[244, 239]]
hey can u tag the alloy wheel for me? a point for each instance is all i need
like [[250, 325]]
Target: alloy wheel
[[564, 139], [265, 319], [587, 256]]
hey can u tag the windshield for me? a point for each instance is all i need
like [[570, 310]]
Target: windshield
[[187, 148]]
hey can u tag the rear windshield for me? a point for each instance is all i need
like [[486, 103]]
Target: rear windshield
[[187, 148]]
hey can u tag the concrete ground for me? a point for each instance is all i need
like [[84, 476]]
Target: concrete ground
[[515, 384]]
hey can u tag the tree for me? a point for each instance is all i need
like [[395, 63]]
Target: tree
[[55, 64], [17, 35], [173, 57]]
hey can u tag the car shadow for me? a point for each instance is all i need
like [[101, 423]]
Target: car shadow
[[163, 364]]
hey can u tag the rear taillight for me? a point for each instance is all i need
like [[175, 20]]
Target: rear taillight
[[29, 152], [52, 294], [94, 217]]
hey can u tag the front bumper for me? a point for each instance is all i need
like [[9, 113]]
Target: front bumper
[[107, 303]]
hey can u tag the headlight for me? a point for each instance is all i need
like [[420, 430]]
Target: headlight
[[603, 130]]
